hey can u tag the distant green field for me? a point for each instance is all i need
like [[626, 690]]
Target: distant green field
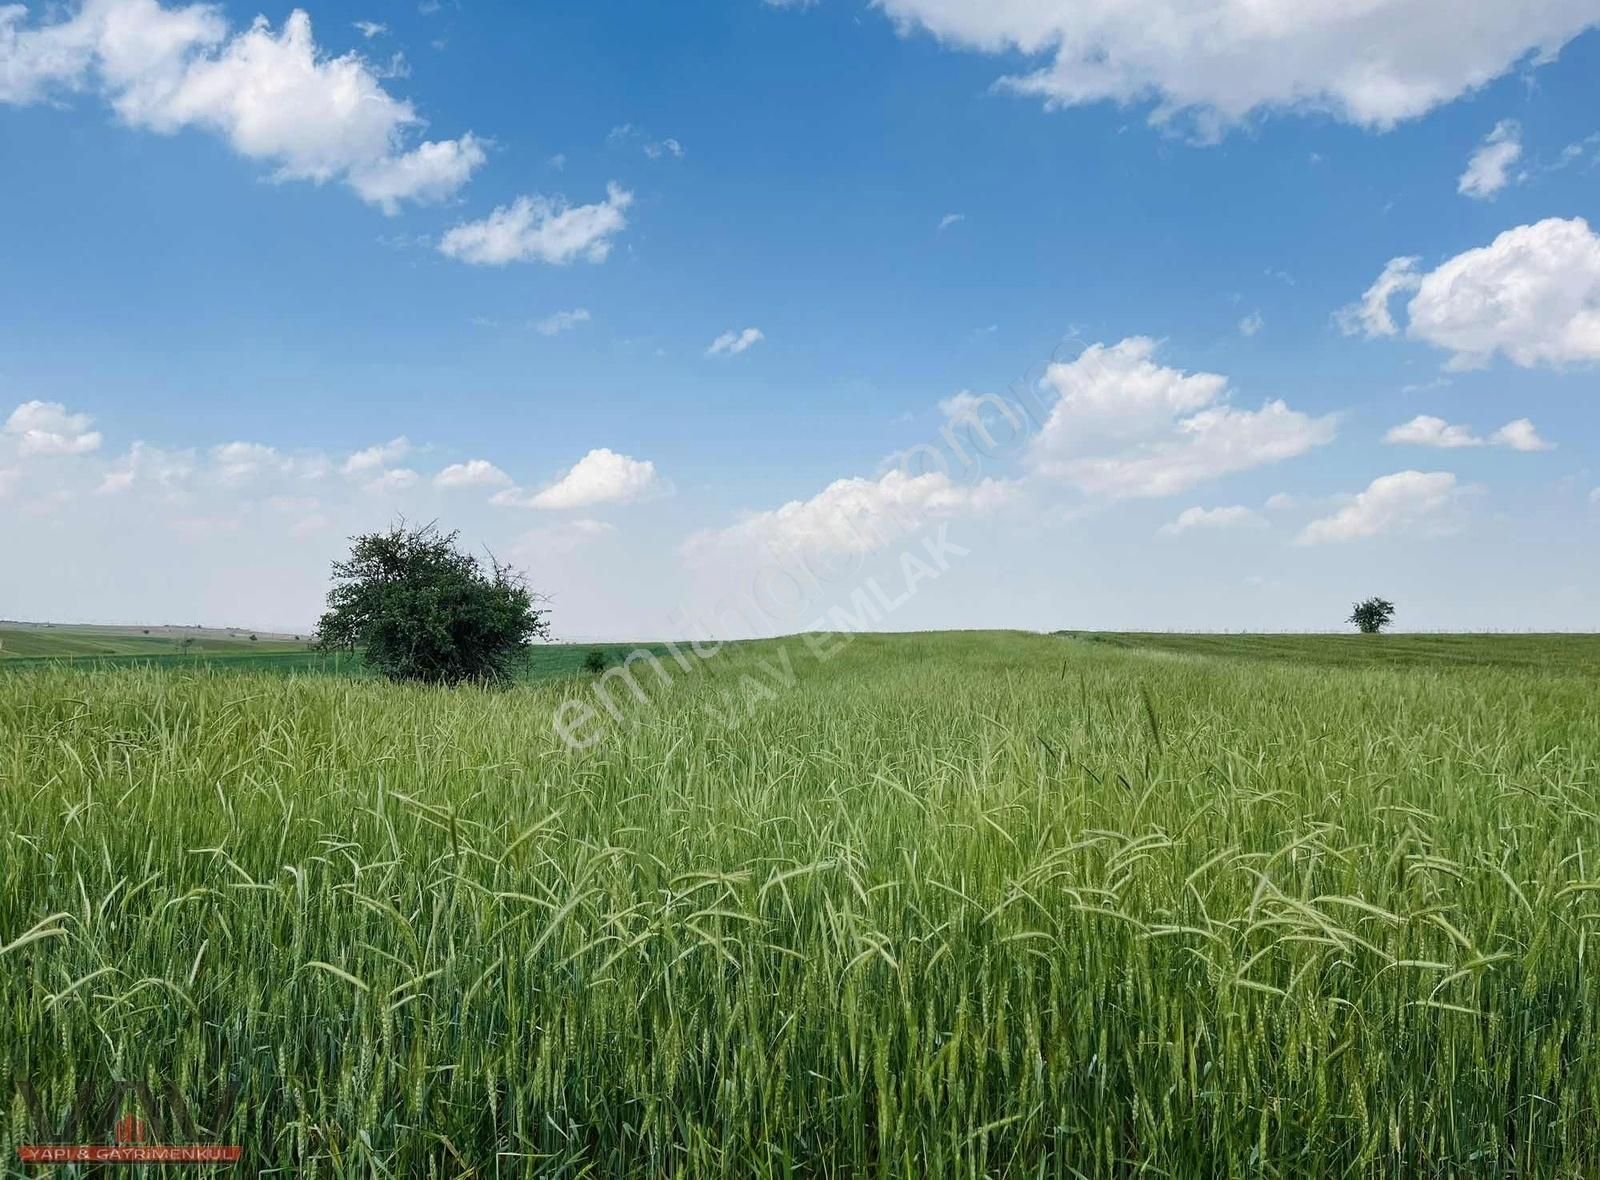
[[24, 642], [1567, 654], [29, 648]]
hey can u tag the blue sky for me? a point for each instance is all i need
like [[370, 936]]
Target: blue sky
[[265, 285]]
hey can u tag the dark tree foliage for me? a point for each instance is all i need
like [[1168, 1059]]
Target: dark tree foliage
[[417, 608], [1372, 616], [595, 661]]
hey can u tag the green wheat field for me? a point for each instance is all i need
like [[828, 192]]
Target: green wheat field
[[942, 905]]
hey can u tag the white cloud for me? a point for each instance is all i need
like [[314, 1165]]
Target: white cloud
[[1594, 496], [1252, 324], [429, 173], [9, 478], [1373, 63], [600, 477], [1532, 294], [148, 465], [48, 428], [656, 149], [1371, 316], [541, 229], [238, 463], [272, 96], [1520, 436], [856, 516], [1235, 516], [475, 473], [1127, 427], [1408, 501], [396, 479], [732, 343], [950, 219], [1488, 171], [375, 458], [1427, 431], [369, 28], [561, 321]]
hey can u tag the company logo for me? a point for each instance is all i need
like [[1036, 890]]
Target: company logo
[[101, 1127]]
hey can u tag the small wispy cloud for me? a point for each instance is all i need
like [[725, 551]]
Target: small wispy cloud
[[655, 149], [562, 321], [732, 343], [1489, 169]]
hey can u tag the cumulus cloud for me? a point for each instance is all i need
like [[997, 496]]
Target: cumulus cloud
[[1125, 426], [272, 96], [375, 458], [561, 321], [1489, 169], [9, 478], [1520, 436], [1428, 431], [395, 479], [732, 343], [48, 428], [1252, 324], [1373, 64], [239, 463], [541, 229], [1232, 517], [429, 173], [1430, 503], [855, 516], [950, 219], [600, 477], [475, 473], [1371, 316], [1533, 295]]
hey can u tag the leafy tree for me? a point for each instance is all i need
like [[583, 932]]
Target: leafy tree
[[418, 608], [1372, 616], [595, 661]]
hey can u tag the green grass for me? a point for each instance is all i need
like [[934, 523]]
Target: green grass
[[1564, 654], [544, 661], [26, 642], [946, 905]]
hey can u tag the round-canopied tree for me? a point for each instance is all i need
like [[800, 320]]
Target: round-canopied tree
[[1372, 616], [417, 608]]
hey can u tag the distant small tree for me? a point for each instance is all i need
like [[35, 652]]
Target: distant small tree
[[595, 661], [1372, 616], [418, 608]]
